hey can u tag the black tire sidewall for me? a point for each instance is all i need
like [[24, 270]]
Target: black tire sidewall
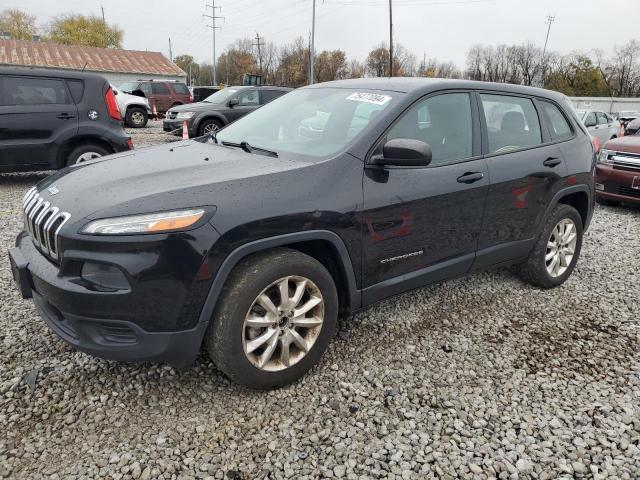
[[224, 341], [73, 156], [561, 212], [209, 121], [130, 112]]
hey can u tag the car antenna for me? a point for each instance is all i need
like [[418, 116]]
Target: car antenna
[[85, 65]]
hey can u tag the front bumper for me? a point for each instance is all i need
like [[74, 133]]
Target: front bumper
[[618, 185], [175, 127], [60, 300]]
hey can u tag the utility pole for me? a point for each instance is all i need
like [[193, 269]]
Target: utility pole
[[170, 51], [102, 8], [550, 20], [259, 44], [390, 38], [213, 27], [312, 51]]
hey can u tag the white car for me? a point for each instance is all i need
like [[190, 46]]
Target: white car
[[134, 109], [600, 125]]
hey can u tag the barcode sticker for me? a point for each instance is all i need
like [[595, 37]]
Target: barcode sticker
[[374, 98]]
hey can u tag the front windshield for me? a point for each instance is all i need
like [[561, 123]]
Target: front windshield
[[220, 96], [310, 121]]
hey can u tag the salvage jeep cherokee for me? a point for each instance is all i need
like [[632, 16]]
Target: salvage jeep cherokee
[[254, 240]]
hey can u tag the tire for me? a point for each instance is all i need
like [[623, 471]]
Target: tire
[[209, 125], [86, 152], [535, 270], [228, 337], [136, 117]]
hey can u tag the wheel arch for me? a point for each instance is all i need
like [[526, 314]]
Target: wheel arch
[[211, 116], [323, 245], [577, 196]]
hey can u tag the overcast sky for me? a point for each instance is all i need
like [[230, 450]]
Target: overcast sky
[[444, 29]]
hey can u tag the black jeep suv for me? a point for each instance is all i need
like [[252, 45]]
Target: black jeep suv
[[220, 109], [329, 199], [53, 118]]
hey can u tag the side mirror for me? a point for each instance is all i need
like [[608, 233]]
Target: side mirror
[[404, 152], [233, 102]]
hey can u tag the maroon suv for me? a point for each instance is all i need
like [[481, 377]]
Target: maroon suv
[[618, 171], [161, 94]]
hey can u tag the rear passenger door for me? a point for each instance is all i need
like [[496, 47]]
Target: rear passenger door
[[525, 166], [37, 115], [161, 95]]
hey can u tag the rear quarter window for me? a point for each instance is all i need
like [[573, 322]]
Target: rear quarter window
[[180, 88], [559, 127], [76, 87]]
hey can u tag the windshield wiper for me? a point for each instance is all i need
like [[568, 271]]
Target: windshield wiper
[[251, 149]]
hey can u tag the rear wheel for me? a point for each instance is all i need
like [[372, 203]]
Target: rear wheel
[[209, 126], [136, 117], [274, 319], [86, 152], [557, 250]]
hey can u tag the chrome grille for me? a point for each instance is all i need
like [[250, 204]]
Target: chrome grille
[[626, 161], [43, 221]]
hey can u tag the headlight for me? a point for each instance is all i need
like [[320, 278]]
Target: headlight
[[604, 156], [185, 115], [149, 223]]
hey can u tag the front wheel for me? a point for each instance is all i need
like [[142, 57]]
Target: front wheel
[[557, 250], [136, 117], [274, 319], [209, 126]]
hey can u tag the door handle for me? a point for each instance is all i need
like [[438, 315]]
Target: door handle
[[65, 116], [552, 162], [470, 177]]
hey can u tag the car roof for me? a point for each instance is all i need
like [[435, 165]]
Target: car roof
[[421, 85], [50, 72], [270, 87]]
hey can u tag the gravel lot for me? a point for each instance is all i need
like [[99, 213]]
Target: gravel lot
[[480, 377]]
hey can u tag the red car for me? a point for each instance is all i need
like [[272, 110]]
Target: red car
[[618, 171], [161, 94]]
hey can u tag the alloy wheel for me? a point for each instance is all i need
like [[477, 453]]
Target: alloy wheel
[[283, 323], [212, 127], [561, 247], [85, 157]]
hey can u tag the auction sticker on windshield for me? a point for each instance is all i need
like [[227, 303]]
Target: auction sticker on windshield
[[374, 98]]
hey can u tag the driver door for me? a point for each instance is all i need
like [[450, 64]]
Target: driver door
[[421, 224]]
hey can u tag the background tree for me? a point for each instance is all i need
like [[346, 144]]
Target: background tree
[[330, 66], [20, 25], [189, 65], [90, 31], [293, 68], [237, 60]]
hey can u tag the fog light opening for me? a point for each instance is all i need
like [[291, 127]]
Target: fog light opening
[[105, 278]]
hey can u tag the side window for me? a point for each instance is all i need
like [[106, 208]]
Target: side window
[[146, 88], [444, 122], [269, 95], [590, 120], [34, 91], [249, 97], [512, 123], [558, 125], [77, 88], [160, 89], [602, 119], [180, 88]]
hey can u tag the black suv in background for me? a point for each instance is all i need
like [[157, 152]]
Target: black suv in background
[[333, 197], [220, 109], [52, 118]]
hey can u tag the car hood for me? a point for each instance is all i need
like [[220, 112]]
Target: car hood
[[198, 107], [630, 144], [180, 175]]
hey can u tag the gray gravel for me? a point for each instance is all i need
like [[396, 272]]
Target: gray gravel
[[480, 377]]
